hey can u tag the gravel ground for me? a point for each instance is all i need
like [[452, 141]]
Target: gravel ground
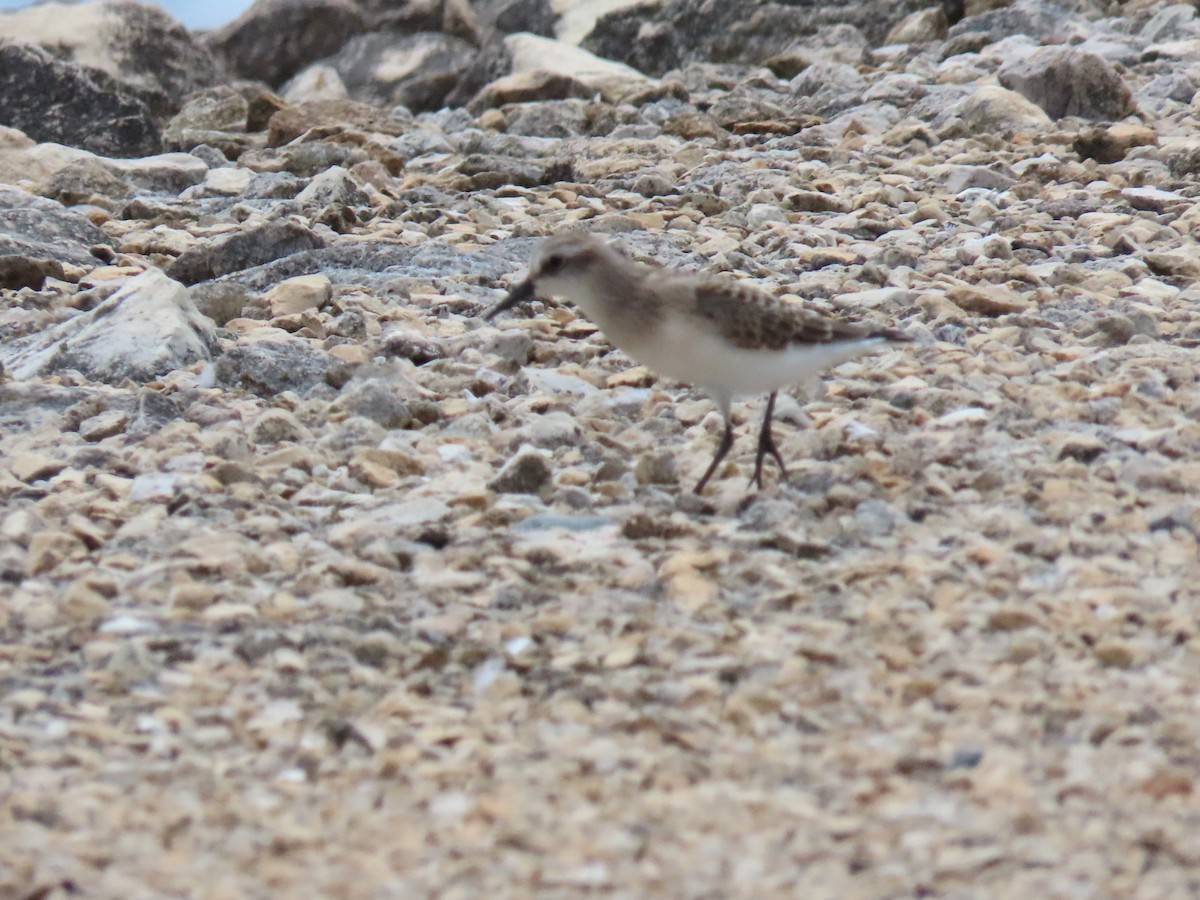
[[375, 600]]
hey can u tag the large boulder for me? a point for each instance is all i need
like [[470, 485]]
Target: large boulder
[[38, 228], [146, 329], [1038, 19], [133, 48], [53, 100], [36, 167], [244, 248], [275, 39], [413, 70], [1068, 81], [525, 67], [657, 37], [991, 109]]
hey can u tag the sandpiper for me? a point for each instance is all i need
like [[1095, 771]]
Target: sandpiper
[[729, 338]]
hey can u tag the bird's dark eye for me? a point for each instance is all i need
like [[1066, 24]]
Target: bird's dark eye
[[553, 264]]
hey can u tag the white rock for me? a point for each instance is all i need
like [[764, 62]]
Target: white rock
[[295, 295], [577, 18], [147, 328], [334, 185], [128, 625], [228, 180], [165, 172], [969, 415], [531, 53], [410, 512], [991, 108], [27, 164], [317, 82]]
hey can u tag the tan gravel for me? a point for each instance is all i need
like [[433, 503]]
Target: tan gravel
[[459, 629]]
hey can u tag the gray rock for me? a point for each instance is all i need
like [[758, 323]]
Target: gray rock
[[275, 39], [40, 228], [457, 18], [550, 430], [920, 27], [548, 118], [243, 249], [1170, 23], [210, 117], [1065, 81], [165, 173], [526, 473], [277, 425], [80, 181], [268, 368], [830, 44], [488, 171], [1177, 86], [379, 264], [991, 108], [491, 62], [334, 185], [962, 178], [131, 49], [829, 87], [552, 521], [656, 39], [1038, 19], [527, 67], [657, 468], [144, 330], [219, 300], [53, 100], [415, 70], [379, 398], [512, 16], [878, 518]]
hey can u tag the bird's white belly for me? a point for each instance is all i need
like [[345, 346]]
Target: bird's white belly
[[681, 348]]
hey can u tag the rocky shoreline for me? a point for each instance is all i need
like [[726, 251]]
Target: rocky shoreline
[[316, 585]]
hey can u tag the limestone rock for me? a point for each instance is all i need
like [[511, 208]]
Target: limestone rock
[[242, 249], [135, 48], [993, 108], [274, 39], [526, 473], [1067, 81], [146, 329], [919, 27], [35, 227], [53, 100], [268, 368], [298, 294], [417, 71]]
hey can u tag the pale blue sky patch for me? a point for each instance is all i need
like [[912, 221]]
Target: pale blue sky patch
[[192, 13]]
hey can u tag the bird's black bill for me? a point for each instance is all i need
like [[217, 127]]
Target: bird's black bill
[[522, 293]]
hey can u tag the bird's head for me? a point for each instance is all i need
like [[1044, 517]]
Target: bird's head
[[562, 266]]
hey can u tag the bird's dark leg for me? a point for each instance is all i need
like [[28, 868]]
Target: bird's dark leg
[[722, 449], [766, 444]]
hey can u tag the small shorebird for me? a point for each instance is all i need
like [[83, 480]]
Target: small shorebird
[[729, 338]]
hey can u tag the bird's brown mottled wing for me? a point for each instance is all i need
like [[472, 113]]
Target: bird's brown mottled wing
[[754, 320]]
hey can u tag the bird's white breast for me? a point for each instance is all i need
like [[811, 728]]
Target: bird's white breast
[[684, 349]]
